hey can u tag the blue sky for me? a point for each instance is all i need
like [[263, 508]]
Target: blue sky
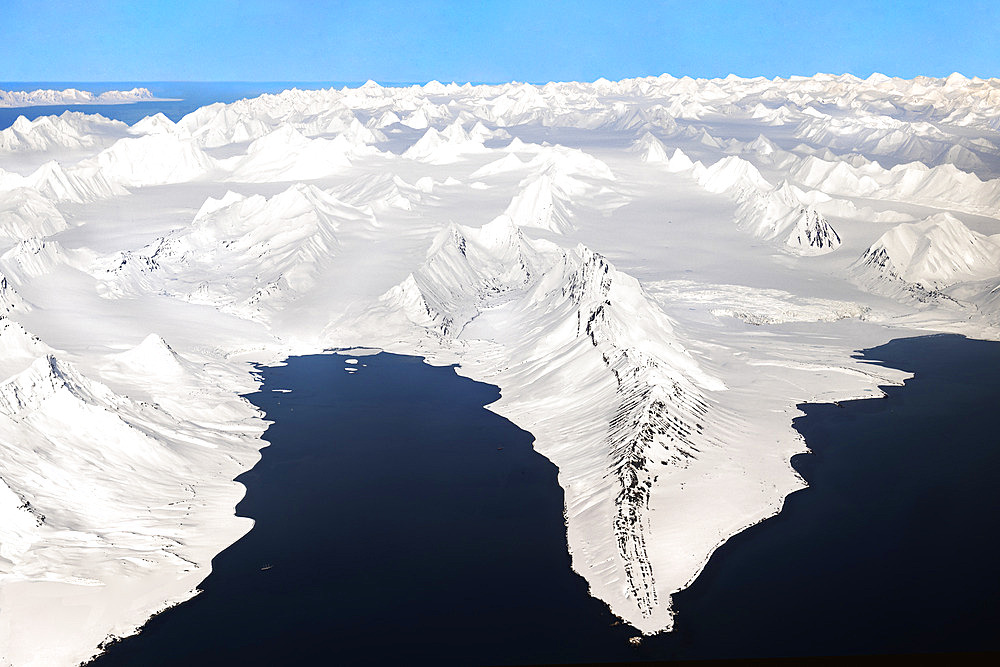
[[536, 40]]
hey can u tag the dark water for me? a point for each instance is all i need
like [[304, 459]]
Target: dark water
[[397, 531], [893, 547]]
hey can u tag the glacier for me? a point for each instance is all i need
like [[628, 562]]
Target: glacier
[[654, 271]]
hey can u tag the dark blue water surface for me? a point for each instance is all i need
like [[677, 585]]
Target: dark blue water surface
[[402, 523], [893, 547], [395, 529]]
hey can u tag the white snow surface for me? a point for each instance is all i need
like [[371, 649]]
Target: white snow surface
[[654, 271]]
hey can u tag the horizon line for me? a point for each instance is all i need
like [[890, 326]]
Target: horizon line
[[387, 83]]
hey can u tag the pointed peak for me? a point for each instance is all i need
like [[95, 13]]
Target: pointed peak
[[212, 205]]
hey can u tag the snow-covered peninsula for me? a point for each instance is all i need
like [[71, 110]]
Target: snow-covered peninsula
[[41, 97], [654, 271]]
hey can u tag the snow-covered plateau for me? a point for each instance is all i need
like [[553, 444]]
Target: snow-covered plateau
[[654, 271]]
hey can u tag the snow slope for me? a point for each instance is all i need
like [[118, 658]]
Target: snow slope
[[26, 213]]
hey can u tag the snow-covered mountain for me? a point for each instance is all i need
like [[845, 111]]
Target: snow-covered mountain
[[938, 259], [779, 214], [446, 146], [574, 303], [652, 270], [288, 239], [934, 253], [71, 131], [287, 155], [26, 213], [467, 270]]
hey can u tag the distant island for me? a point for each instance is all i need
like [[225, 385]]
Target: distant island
[[34, 98]]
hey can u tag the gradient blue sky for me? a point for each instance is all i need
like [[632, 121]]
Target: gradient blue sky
[[533, 40]]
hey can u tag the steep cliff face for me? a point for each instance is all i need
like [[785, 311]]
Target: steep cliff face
[[812, 232]]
